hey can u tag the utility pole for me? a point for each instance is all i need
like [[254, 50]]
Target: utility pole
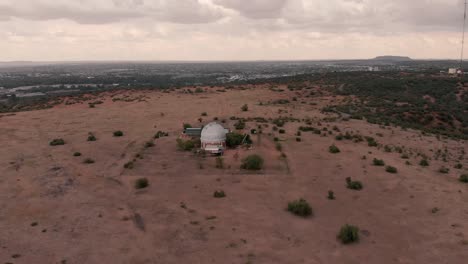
[[463, 38]]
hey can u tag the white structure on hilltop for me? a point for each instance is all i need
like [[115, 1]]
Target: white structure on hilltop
[[452, 71], [213, 138]]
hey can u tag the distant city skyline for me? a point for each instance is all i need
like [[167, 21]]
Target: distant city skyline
[[228, 30]]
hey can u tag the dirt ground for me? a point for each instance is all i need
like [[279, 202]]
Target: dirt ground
[[57, 209]]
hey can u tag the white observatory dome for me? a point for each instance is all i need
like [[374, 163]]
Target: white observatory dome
[[213, 133]]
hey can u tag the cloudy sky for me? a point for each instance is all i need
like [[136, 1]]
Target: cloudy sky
[[228, 29]]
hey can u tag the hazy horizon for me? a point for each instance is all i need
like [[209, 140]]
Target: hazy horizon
[[228, 30]]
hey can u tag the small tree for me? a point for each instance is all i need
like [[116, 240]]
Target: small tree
[[252, 162], [348, 234], [245, 108], [300, 207], [334, 149], [77, 154], [331, 195]]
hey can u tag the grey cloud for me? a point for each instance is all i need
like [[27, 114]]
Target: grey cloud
[[108, 11], [256, 9]]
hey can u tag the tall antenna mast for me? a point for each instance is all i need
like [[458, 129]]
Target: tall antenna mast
[[463, 38]]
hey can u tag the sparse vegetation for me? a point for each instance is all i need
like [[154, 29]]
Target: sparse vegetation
[[219, 194], [91, 137], [331, 195], [235, 139], [141, 183], [353, 185], [129, 165], [348, 234], [463, 178], [57, 142], [391, 169], [160, 134], [88, 161], [185, 145], [239, 125], [334, 149], [300, 207], [252, 162], [444, 170], [424, 163], [378, 162], [149, 144], [77, 154], [219, 163], [245, 108], [118, 133]]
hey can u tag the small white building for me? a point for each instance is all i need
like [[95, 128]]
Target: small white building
[[213, 138], [452, 71]]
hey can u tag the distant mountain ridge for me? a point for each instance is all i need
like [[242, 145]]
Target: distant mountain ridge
[[392, 58]]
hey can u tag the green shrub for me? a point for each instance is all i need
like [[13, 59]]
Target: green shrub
[[77, 154], [235, 139], [298, 139], [378, 162], [424, 163], [405, 156], [331, 195], [129, 165], [458, 166], [88, 161], [282, 131], [91, 137], [149, 144], [141, 183], [300, 207], [278, 146], [219, 194], [444, 170], [245, 108], [185, 145], [160, 134], [353, 185], [118, 133], [252, 162], [348, 234], [463, 178], [334, 149], [219, 163], [57, 142], [391, 169], [187, 126], [239, 125], [204, 114]]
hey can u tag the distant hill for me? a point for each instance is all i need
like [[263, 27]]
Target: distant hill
[[392, 58]]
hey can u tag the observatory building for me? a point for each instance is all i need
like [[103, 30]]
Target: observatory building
[[213, 138]]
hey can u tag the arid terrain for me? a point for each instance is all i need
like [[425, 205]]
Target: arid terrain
[[55, 208]]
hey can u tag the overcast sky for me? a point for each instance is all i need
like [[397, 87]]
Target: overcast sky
[[228, 29]]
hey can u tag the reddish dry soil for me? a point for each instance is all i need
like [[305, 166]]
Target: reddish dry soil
[[56, 209]]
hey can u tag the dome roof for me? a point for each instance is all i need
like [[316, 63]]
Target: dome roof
[[213, 132]]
